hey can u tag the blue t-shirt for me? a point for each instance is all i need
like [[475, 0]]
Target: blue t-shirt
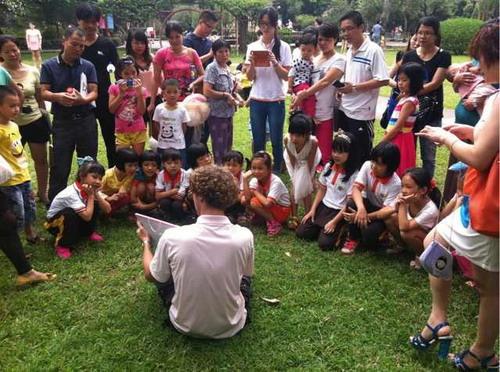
[[5, 78], [201, 45], [61, 76]]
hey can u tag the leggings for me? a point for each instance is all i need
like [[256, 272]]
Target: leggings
[[369, 235]]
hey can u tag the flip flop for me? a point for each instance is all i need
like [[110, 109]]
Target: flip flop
[[22, 280]]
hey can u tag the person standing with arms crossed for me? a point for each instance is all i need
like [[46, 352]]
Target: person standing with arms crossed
[[365, 73], [102, 53]]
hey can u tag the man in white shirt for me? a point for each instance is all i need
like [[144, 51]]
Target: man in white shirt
[[203, 270], [365, 73]]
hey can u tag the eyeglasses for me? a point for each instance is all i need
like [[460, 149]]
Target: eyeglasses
[[425, 33]]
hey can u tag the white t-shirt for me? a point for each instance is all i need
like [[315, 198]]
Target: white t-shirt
[[267, 86], [337, 191], [325, 98], [366, 64], [276, 190], [426, 217], [70, 197], [171, 135], [166, 185], [381, 192], [206, 261]]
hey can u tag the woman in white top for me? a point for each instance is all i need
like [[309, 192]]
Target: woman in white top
[[330, 68], [267, 97]]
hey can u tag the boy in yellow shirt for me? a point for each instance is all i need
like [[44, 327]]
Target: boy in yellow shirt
[[117, 181], [18, 188]]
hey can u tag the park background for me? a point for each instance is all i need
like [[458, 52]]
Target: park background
[[335, 312]]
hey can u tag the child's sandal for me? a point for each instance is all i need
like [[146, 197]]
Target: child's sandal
[[293, 223]]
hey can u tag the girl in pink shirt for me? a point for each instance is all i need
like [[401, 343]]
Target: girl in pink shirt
[[127, 102]]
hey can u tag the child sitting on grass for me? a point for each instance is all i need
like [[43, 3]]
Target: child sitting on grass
[[301, 156], [117, 181], [142, 193], [325, 219], [265, 193], [127, 102], [417, 211], [374, 196], [171, 185], [233, 162], [72, 215], [17, 189]]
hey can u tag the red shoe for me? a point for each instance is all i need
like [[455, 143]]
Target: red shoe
[[63, 252], [349, 247], [95, 237], [273, 228]]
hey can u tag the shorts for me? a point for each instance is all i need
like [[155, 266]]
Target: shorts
[[22, 203], [37, 131], [131, 138], [481, 250], [280, 213]]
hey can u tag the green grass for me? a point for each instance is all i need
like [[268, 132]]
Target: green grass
[[336, 312]]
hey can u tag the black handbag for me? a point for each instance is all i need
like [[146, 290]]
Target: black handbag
[[427, 109]]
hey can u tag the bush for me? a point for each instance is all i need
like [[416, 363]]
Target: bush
[[286, 35], [305, 20], [457, 33]]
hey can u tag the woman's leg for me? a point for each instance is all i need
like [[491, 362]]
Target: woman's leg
[[258, 118], [487, 325], [13, 249], [39, 155], [276, 122], [324, 133]]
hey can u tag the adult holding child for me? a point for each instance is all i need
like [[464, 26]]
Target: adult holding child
[[203, 270], [267, 63], [365, 73], [472, 230], [70, 83], [330, 66], [32, 119], [435, 62]]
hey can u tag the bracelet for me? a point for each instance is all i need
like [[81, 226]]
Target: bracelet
[[145, 241], [453, 144]]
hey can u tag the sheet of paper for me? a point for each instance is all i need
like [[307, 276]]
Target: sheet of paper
[[154, 227]]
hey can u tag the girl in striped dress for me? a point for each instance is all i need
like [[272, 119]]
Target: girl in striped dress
[[400, 127]]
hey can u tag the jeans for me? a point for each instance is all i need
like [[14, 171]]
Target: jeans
[[260, 112], [69, 135], [22, 203], [428, 150]]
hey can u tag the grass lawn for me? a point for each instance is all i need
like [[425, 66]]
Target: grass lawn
[[336, 312]]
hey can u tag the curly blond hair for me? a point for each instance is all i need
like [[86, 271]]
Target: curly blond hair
[[215, 186]]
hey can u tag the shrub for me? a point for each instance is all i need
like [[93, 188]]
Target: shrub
[[457, 33], [305, 20], [286, 34]]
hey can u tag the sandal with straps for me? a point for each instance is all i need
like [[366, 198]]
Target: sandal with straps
[[421, 343], [459, 362]]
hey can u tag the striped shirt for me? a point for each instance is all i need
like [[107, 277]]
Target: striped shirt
[[410, 121]]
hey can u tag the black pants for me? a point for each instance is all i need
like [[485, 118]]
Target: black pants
[[10, 244], [166, 292], [69, 135], [362, 130], [310, 230], [368, 236], [107, 124], [69, 228], [172, 209], [234, 211]]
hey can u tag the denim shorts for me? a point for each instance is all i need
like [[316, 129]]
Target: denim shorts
[[22, 203]]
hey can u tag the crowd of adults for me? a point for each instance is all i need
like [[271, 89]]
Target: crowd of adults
[[76, 82]]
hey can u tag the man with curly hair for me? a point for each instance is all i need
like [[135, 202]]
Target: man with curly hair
[[202, 271]]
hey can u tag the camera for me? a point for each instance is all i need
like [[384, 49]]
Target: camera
[[130, 83]]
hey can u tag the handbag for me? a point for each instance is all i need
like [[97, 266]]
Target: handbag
[[437, 260], [391, 105], [427, 108], [482, 188], [6, 172]]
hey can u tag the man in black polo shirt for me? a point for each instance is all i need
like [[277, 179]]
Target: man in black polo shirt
[[199, 41], [70, 83], [101, 52]]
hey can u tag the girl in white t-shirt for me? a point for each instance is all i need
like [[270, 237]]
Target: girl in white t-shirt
[[325, 219], [233, 162], [72, 215], [301, 155], [266, 195], [374, 196], [417, 210]]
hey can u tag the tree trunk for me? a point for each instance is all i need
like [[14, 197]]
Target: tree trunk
[[242, 33]]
